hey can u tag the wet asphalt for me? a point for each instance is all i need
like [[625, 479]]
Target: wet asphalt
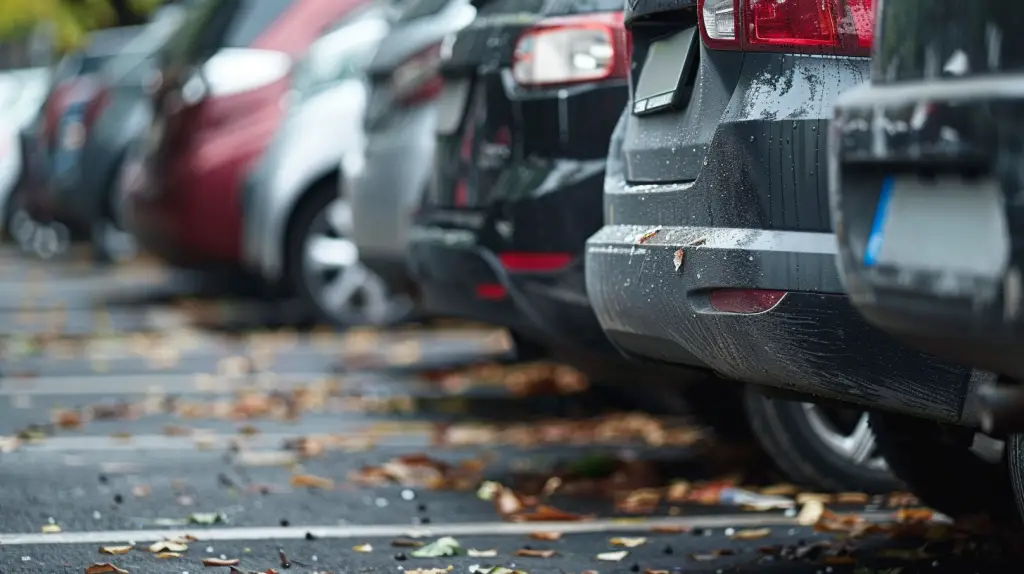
[[132, 429]]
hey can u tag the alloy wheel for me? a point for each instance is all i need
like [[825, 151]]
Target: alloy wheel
[[343, 288], [847, 432]]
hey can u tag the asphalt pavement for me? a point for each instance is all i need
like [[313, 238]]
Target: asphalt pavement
[[135, 433]]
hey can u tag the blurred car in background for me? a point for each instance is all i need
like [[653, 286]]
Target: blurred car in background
[[296, 226], [45, 145], [22, 92], [219, 100], [386, 180], [717, 249], [924, 170], [100, 118]]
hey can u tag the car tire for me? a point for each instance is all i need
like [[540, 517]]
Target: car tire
[[364, 297], [945, 474], [811, 451]]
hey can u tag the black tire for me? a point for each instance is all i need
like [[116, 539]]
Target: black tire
[[783, 430], [1015, 460], [315, 201], [944, 473]]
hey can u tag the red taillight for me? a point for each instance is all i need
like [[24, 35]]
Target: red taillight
[[418, 79], [534, 262], [490, 291], [572, 49], [841, 27], [745, 301]]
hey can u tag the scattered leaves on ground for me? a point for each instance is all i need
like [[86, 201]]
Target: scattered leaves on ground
[[220, 562], [168, 546], [534, 553], [474, 553], [104, 568], [751, 534], [444, 546], [364, 548], [628, 542], [613, 556], [311, 481], [115, 550]]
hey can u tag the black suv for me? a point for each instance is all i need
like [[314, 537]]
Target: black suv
[[718, 250], [925, 171]]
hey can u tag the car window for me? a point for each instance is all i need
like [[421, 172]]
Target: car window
[[422, 9], [341, 53], [252, 19]]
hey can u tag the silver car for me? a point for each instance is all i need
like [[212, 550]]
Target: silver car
[[387, 181], [294, 224]]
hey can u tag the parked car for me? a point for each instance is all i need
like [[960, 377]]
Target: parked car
[[218, 103], [74, 78], [296, 225], [98, 121], [717, 249], [21, 97], [385, 181], [923, 172], [517, 192]]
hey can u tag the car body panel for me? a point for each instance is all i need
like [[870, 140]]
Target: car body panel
[[941, 112], [386, 181], [728, 191]]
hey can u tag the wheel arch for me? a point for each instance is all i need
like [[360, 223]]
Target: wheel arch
[[331, 179]]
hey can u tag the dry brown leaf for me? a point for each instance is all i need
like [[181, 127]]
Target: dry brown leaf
[[852, 498], [678, 491], [548, 536], [640, 501], [652, 571], [67, 418], [534, 553], [168, 546], [104, 568], [175, 430], [364, 548], [406, 543], [811, 513], [821, 497], [914, 515], [168, 555], [248, 430], [220, 562], [115, 550], [507, 502], [311, 481], [899, 499], [628, 542], [545, 513], [751, 534]]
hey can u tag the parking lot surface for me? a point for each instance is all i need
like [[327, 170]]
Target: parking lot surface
[[134, 433]]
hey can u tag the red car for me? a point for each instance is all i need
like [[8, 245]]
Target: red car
[[218, 100]]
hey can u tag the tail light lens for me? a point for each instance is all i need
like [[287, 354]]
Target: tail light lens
[[418, 79], [572, 49], [519, 262], [840, 27]]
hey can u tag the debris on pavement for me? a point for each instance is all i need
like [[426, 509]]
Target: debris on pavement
[[444, 546], [104, 568], [116, 550], [613, 556]]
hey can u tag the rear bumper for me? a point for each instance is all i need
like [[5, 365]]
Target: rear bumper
[[965, 318], [811, 342]]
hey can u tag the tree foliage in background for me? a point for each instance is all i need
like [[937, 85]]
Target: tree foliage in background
[[71, 19]]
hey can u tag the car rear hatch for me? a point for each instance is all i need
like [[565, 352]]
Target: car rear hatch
[[510, 79], [404, 71], [747, 83]]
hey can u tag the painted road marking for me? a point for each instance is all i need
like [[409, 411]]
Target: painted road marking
[[746, 520], [411, 437]]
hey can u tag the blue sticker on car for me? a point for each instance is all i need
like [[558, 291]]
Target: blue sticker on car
[[874, 246]]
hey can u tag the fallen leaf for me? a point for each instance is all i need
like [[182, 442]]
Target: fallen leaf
[[507, 502], [220, 562], [474, 553], [444, 546], [640, 501], [50, 529], [67, 418], [613, 556], [183, 539], [168, 555], [311, 481], [175, 430], [751, 534], [115, 550], [810, 513], [168, 546], [549, 536], [914, 515], [805, 497], [364, 548], [248, 430], [677, 258], [545, 513], [678, 491], [714, 554], [406, 543], [104, 568], [206, 517], [652, 571], [628, 542], [140, 491], [852, 498], [488, 490], [646, 236], [534, 553]]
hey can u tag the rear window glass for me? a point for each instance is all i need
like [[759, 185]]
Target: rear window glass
[[423, 9], [252, 19]]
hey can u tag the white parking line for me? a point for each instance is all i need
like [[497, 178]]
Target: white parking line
[[745, 520], [203, 440]]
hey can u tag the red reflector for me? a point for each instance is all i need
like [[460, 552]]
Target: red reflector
[[516, 261], [745, 301], [461, 193], [490, 291]]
